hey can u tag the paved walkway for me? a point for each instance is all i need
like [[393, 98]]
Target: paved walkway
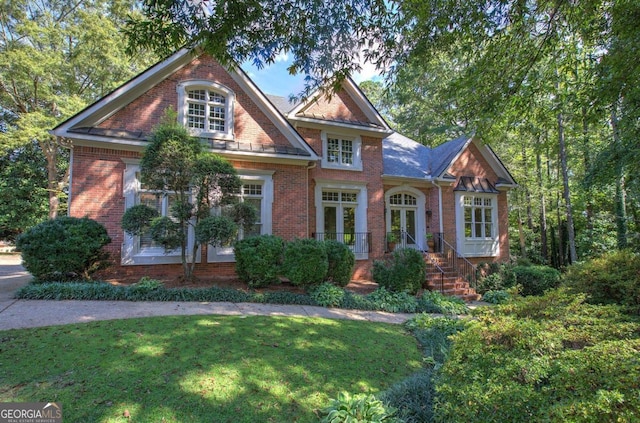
[[17, 314]]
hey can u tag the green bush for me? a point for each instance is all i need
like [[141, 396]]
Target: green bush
[[613, 278], [535, 280], [405, 271], [393, 302], [305, 262], [341, 262], [435, 302], [550, 358], [412, 397], [327, 295], [64, 248], [496, 297], [496, 277], [361, 408], [258, 260]]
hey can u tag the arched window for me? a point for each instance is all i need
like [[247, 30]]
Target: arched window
[[206, 109]]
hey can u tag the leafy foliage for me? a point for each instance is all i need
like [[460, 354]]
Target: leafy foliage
[[174, 163], [393, 302], [64, 248], [305, 262], [405, 271], [357, 408], [258, 259], [435, 302], [613, 278], [496, 297], [327, 295], [549, 358], [535, 280], [341, 261]]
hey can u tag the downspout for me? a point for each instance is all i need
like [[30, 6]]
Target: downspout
[[440, 224], [311, 166], [70, 191]]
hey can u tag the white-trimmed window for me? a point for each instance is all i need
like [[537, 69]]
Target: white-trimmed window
[[341, 152], [477, 224], [206, 108], [142, 249], [478, 216], [341, 214], [257, 189]]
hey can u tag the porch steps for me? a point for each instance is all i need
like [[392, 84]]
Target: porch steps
[[449, 281]]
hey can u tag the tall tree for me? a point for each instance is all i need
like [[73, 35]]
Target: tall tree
[[55, 57]]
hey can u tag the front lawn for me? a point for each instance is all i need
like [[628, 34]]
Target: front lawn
[[202, 368]]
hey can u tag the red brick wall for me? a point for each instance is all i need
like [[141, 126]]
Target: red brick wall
[[251, 124], [341, 106]]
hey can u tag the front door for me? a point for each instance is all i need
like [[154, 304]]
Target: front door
[[403, 215]]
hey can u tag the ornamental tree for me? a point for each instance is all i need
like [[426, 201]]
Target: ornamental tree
[[175, 163]]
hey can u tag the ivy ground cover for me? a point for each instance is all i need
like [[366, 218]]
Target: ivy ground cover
[[202, 368]]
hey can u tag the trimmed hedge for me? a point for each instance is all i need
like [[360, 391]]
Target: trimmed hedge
[[305, 262], [341, 261], [65, 248], [258, 260]]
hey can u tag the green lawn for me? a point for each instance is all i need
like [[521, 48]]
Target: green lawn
[[202, 368]]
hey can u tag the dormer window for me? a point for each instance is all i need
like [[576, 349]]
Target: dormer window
[[206, 109], [341, 152]]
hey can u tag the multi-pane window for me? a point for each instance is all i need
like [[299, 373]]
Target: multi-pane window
[[157, 201], [340, 151], [251, 193], [478, 217], [403, 200], [339, 209], [206, 110]]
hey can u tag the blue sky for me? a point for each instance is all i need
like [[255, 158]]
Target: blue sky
[[276, 80]]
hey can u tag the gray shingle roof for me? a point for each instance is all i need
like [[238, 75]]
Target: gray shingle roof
[[283, 104], [405, 157], [444, 154]]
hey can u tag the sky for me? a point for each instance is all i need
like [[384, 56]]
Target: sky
[[275, 79]]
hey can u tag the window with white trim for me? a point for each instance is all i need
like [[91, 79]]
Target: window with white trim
[[257, 189], [206, 108], [341, 152], [478, 217], [142, 249]]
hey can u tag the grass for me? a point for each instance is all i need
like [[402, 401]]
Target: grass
[[202, 368]]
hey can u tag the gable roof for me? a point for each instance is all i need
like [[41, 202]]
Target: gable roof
[[406, 158], [84, 124], [302, 111]]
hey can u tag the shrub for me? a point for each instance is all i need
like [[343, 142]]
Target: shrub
[[433, 335], [327, 295], [341, 261], [613, 278], [361, 408], [535, 280], [393, 302], [550, 358], [496, 297], [406, 271], [495, 277], [258, 259], [64, 248], [305, 262], [435, 302], [412, 397]]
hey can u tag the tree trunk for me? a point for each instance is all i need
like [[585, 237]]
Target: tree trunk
[[573, 256], [544, 248], [621, 195]]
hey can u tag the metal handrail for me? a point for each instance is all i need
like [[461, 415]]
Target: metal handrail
[[438, 268], [359, 242], [457, 261]]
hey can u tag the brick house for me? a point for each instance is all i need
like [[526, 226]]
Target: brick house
[[324, 168]]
